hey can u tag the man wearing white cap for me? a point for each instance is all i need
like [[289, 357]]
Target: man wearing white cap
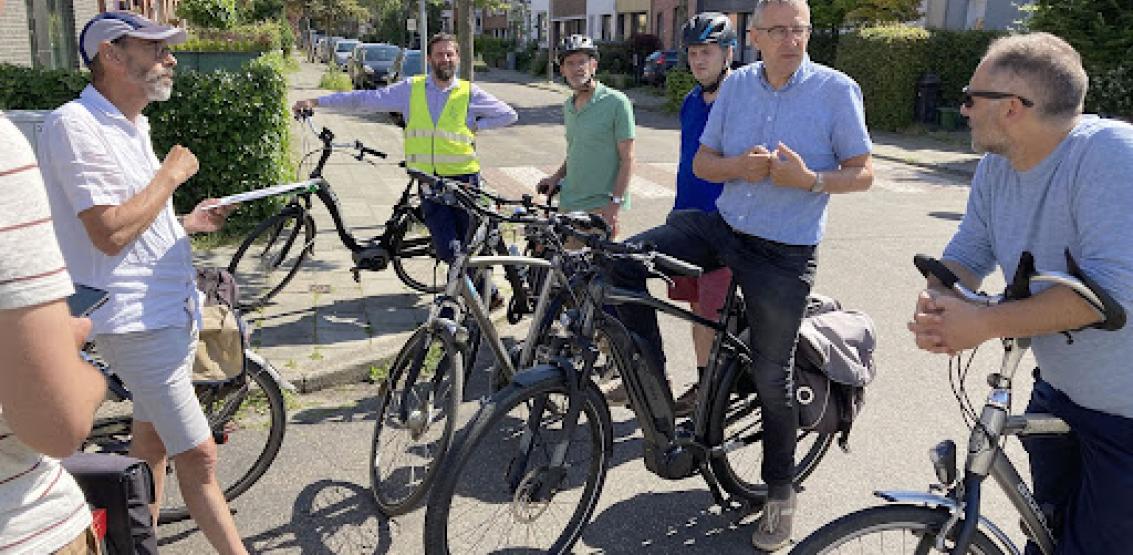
[[111, 201]]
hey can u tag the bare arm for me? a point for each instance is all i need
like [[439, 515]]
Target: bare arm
[[112, 228], [49, 395], [711, 165], [625, 167], [547, 185]]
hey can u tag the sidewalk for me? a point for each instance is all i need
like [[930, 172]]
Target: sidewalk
[[324, 329]]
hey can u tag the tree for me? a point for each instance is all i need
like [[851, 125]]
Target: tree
[[1096, 28], [838, 14], [332, 14]]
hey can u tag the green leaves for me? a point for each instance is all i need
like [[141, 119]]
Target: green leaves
[[886, 62]]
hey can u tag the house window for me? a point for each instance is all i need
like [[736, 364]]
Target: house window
[[606, 27]]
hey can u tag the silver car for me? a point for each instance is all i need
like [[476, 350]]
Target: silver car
[[342, 50]]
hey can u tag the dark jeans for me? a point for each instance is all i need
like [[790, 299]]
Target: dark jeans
[[1085, 476], [775, 279], [448, 224]]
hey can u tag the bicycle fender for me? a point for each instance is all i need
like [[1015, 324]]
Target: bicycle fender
[[531, 376], [934, 501], [275, 375]]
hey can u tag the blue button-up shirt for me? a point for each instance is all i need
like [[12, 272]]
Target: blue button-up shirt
[[818, 114], [484, 110]]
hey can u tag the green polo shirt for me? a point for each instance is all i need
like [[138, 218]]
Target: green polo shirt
[[592, 135]]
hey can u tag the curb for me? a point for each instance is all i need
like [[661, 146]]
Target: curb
[[942, 168]]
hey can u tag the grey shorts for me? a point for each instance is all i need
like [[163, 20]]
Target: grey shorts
[[156, 365]]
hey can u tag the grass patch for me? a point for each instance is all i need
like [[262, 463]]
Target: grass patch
[[334, 79]]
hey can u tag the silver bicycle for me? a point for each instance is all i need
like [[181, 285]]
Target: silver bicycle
[[922, 523]]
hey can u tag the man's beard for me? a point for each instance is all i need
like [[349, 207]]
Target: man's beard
[[444, 72], [583, 83], [158, 82]]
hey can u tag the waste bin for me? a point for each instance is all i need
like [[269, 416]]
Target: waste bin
[[928, 95]]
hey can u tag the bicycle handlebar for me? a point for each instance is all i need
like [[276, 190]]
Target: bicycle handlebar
[[1112, 313]]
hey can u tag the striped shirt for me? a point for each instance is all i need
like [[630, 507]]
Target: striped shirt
[[41, 506]]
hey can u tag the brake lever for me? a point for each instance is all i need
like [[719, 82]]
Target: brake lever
[[651, 267]]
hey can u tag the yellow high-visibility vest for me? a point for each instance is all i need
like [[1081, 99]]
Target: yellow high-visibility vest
[[448, 148]]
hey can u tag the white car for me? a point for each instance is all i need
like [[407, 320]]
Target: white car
[[342, 50]]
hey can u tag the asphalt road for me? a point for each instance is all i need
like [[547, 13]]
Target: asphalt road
[[315, 498]]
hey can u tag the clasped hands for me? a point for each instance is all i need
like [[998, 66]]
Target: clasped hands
[[946, 324], [784, 166]]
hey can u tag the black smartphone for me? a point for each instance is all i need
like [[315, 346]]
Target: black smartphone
[[86, 300]]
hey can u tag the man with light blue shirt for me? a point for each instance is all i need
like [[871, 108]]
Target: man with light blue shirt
[[1052, 182], [783, 135], [438, 140]]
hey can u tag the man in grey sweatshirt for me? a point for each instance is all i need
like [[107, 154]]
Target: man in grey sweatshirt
[[1052, 180]]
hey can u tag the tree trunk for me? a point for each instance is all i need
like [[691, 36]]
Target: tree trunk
[[465, 25]]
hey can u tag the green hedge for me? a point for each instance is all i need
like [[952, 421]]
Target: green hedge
[[219, 14], [953, 56], [678, 83], [615, 57], [255, 37], [236, 123], [492, 50], [886, 62]]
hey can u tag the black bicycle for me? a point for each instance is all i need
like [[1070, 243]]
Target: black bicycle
[[923, 523], [271, 255], [247, 414], [527, 472]]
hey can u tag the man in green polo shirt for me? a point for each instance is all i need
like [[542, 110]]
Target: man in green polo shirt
[[599, 132]]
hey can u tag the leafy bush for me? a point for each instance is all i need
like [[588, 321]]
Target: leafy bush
[[678, 83], [25, 88], [643, 45], [615, 57], [538, 65], [953, 56], [236, 123], [212, 14], [255, 37], [823, 46], [492, 50], [286, 36], [335, 79], [886, 62], [1100, 31]]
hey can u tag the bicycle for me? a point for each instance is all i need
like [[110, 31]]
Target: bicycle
[[512, 462], [418, 402], [925, 523], [269, 257], [247, 415]]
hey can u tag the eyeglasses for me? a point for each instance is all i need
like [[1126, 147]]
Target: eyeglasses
[[969, 98], [779, 32], [159, 49]]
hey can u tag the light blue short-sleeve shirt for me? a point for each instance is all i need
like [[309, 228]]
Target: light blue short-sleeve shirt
[[818, 114]]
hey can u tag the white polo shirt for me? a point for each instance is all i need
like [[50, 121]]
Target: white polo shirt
[[92, 156]]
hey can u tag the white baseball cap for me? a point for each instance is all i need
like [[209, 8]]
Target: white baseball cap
[[109, 26]]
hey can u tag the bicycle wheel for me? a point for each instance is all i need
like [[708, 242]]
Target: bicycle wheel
[[735, 419], [414, 259], [269, 257], [889, 529], [490, 498], [248, 418], [415, 420]]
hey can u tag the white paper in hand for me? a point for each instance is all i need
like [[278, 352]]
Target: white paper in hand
[[311, 185]]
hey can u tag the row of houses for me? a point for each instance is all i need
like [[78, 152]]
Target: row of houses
[[45, 33], [537, 20]]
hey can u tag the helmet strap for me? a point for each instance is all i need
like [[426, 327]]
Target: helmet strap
[[716, 84]]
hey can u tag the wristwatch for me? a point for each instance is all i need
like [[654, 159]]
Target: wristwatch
[[819, 183]]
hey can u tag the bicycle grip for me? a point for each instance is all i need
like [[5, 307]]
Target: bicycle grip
[[928, 265], [676, 266]]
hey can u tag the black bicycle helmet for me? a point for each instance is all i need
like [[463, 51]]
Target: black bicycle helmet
[[709, 28], [577, 43]]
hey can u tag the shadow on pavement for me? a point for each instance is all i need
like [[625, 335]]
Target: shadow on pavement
[[328, 517], [670, 522]]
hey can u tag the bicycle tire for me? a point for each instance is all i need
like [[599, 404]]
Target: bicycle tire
[[414, 259], [393, 495], [905, 528], [735, 416], [242, 457], [479, 462], [261, 265]]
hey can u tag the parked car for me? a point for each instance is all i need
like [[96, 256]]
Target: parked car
[[342, 50], [657, 65], [407, 64], [312, 46], [326, 52], [371, 63]]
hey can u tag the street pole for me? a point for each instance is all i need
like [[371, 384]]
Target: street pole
[[423, 34], [465, 25]]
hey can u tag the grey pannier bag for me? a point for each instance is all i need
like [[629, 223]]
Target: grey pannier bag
[[833, 364]]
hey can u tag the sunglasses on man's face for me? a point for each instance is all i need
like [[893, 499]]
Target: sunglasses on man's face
[[969, 98]]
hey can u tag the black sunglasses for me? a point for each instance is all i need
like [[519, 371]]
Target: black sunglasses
[[970, 96]]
